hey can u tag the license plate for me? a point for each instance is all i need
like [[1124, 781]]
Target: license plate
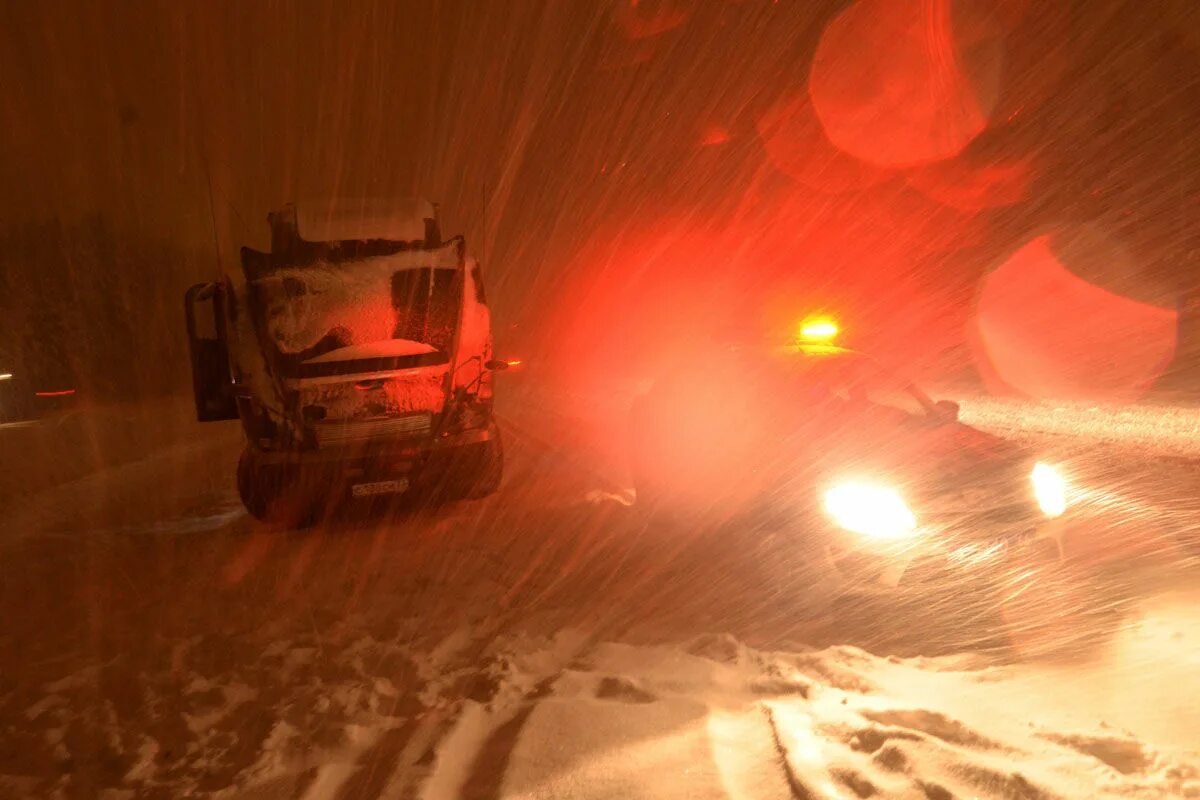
[[378, 487]]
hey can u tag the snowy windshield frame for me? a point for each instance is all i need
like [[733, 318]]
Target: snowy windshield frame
[[322, 306]]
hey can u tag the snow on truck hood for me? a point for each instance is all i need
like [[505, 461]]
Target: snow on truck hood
[[386, 348]]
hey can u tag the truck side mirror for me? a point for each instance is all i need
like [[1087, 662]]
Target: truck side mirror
[[948, 410]]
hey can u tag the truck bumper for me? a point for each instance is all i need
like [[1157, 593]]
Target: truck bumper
[[320, 476], [382, 451]]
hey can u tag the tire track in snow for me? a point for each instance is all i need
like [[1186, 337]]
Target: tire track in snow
[[795, 785], [472, 759], [491, 761], [460, 747]]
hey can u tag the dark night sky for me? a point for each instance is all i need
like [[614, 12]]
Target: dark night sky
[[537, 125]]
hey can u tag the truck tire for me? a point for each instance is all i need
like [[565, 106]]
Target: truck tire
[[274, 493], [485, 467], [466, 472]]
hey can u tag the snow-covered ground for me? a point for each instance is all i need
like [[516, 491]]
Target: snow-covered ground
[[548, 643]]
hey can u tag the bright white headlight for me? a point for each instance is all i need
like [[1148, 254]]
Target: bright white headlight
[[1050, 490], [870, 510]]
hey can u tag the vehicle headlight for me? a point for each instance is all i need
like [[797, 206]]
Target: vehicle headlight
[[870, 510], [1050, 489]]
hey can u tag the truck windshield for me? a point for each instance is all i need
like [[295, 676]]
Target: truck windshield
[[317, 317], [426, 306]]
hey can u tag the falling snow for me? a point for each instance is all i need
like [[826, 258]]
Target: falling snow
[[999, 198]]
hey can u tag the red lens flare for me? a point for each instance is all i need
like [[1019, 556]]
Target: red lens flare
[[969, 187], [1045, 332], [897, 83], [797, 146], [644, 20]]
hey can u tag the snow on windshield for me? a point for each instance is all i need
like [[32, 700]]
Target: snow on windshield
[[312, 311]]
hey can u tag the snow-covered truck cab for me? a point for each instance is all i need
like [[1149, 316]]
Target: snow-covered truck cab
[[357, 353]]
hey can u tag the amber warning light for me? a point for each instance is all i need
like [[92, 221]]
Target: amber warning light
[[497, 364], [818, 329]]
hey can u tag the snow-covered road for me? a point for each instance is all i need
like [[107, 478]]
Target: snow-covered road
[[547, 643]]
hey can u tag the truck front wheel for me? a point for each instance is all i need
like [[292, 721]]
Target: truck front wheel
[[274, 492], [469, 471], [484, 466]]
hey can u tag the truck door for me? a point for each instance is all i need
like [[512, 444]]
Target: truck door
[[212, 384]]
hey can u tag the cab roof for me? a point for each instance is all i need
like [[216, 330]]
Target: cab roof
[[359, 219]]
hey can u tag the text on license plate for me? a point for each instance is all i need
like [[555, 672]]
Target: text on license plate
[[379, 487]]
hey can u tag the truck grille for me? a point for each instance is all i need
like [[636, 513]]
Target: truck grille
[[338, 432]]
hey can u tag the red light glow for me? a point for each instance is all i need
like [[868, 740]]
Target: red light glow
[[714, 135]]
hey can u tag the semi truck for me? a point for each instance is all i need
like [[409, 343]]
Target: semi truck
[[357, 354]]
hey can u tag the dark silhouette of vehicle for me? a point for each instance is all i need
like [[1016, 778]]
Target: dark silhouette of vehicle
[[855, 460]]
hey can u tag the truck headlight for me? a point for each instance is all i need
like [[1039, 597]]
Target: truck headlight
[[1050, 489], [870, 510]]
